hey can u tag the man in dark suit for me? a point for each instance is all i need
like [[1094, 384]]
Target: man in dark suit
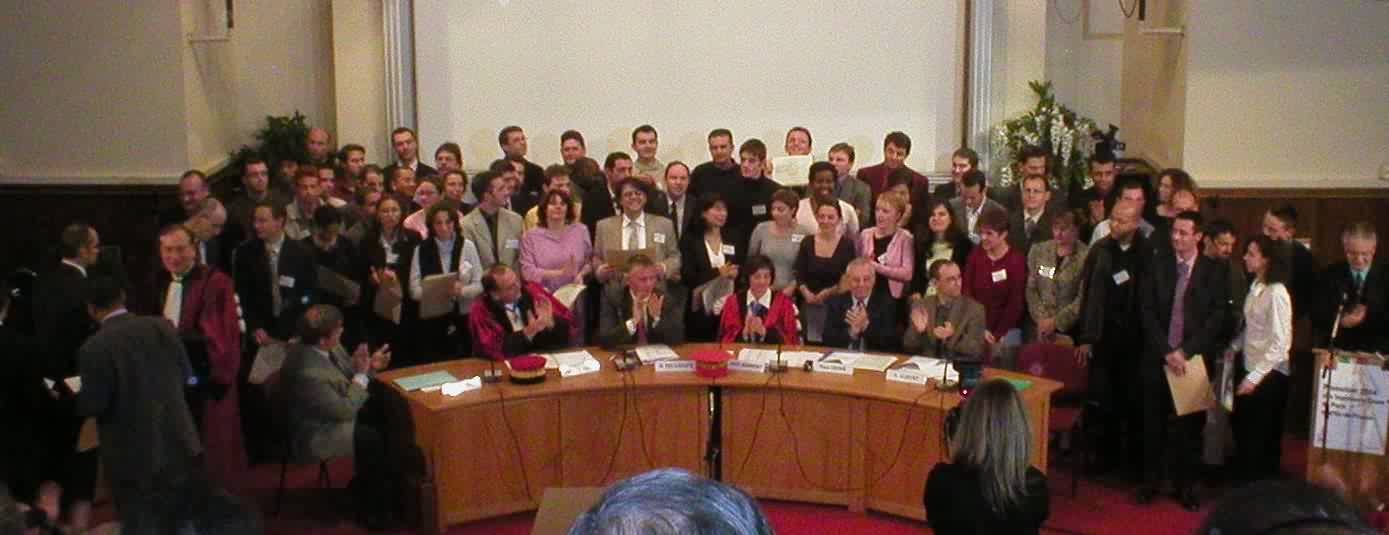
[[962, 161], [862, 319], [1280, 223], [637, 312], [1184, 296], [255, 188], [721, 169], [512, 140], [324, 393], [62, 325], [602, 202], [1359, 288], [748, 199], [22, 396], [407, 153], [275, 277], [682, 209], [1032, 224], [896, 147], [134, 371]]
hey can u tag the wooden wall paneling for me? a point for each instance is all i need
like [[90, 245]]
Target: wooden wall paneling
[[1322, 213]]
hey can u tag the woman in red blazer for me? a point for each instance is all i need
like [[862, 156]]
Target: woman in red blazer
[[758, 314]]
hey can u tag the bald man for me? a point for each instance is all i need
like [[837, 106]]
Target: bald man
[[320, 148]]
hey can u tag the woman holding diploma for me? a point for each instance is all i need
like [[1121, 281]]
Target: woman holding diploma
[[445, 252], [710, 258], [387, 248], [557, 252], [1262, 375]]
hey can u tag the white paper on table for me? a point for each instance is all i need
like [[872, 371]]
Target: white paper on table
[[581, 368], [269, 359], [757, 356], [877, 363], [555, 361], [933, 368], [653, 353], [797, 359], [459, 387], [841, 357], [792, 170], [1359, 397], [921, 363]]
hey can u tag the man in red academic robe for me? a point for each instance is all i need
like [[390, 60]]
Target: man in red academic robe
[[515, 317], [199, 301]]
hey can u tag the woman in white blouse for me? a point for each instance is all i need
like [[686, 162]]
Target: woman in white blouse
[[1264, 340]]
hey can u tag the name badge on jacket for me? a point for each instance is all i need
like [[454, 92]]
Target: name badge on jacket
[[1047, 271], [726, 249], [1121, 277], [513, 244], [796, 238], [1000, 275], [286, 281], [760, 209], [658, 237]]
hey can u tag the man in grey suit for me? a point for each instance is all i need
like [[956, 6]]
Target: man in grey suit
[[134, 371], [638, 312], [323, 391], [946, 324], [847, 187], [973, 200], [634, 230], [495, 230], [1032, 224]]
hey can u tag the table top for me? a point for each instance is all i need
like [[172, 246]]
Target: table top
[[863, 383]]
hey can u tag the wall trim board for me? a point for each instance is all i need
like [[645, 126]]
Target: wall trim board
[[87, 190], [1293, 182], [1294, 193], [90, 181]]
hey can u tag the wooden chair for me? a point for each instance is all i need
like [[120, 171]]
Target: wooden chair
[[1070, 403]]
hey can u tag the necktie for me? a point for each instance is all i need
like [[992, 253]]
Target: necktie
[[1359, 281], [641, 331], [860, 344], [513, 315], [202, 253], [275, 302], [632, 239], [675, 216], [1028, 226], [1178, 321], [173, 300]]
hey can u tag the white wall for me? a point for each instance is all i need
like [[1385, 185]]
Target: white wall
[[1020, 55], [1084, 57], [91, 92], [847, 71], [359, 74], [113, 92], [1287, 94]]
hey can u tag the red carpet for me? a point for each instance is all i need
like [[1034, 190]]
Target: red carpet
[[1104, 506]]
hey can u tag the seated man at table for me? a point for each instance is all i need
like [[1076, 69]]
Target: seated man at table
[[759, 314], [861, 319], [637, 312], [946, 323], [324, 391], [515, 317]]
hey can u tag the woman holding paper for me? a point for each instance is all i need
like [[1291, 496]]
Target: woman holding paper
[[941, 239], [888, 246], [557, 252], [710, 258], [759, 315], [444, 336], [1262, 375], [387, 248]]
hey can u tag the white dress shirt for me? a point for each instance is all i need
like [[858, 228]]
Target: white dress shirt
[[1267, 335]]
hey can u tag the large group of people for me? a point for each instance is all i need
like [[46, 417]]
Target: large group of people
[[357, 267]]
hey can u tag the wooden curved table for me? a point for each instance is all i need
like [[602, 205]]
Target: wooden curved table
[[859, 441]]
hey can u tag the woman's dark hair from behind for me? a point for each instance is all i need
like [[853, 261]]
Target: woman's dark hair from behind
[[1279, 257], [993, 438], [672, 501]]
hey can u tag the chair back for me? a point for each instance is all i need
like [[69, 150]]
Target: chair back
[[1058, 363]]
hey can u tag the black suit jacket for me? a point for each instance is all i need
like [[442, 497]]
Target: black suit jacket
[[689, 216], [1019, 239], [251, 274], [1373, 333], [422, 170], [882, 333], [1203, 327], [134, 370], [61, 320], [1304, 284], [695, 268], [616, 309]]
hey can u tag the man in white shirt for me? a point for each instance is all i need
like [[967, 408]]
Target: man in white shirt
[[973, 200]]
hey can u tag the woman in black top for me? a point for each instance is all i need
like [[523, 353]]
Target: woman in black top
[[938, 236], [988, 487], [821, 263], [709, 250], [386, 249]]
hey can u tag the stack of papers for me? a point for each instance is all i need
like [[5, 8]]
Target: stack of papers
[[649, 354], [877, 363], [796, 359], [757, 356], [847, 359], [933, 368], [571, 359], [425, 380]]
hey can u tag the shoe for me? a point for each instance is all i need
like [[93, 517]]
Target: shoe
[[1145, 495], [1189, 500]]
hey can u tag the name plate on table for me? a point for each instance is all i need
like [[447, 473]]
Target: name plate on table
[[664, 366], [833, 367], [459, 387], [742, 366], [915, 377], [585, 367]]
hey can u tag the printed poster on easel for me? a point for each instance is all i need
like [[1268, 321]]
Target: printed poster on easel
[[1356, 418]]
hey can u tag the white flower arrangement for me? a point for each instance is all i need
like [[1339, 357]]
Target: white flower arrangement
[[1063, 133]]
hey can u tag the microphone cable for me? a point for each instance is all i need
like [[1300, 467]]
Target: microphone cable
[[515, 442]]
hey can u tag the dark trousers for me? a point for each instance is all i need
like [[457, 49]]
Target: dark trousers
[[1114, 389], [1169, 441], [375, 485], [1258, 425], [144, 505]]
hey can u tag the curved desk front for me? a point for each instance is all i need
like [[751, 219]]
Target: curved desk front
[[859, 441]]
